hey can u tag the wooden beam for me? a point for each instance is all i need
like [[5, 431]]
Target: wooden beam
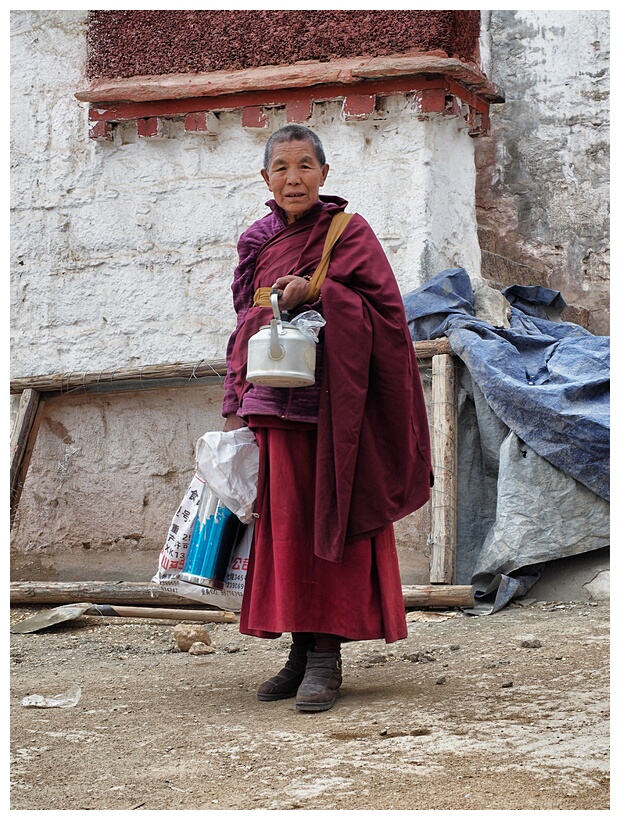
[[21, 446], [137, 376], [443, 423], [96, 592], [434, 347], [200, 615], [345, 72], [34, 593], [440, 595], [187, 371], [444, 448]]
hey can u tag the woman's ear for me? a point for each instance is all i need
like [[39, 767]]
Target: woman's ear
[[265, 176], [325, 171]]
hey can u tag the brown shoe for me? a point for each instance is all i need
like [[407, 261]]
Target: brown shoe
[[286, 683], [319, 689]]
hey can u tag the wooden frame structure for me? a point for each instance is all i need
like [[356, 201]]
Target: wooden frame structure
[[443, 424], [436, 83]]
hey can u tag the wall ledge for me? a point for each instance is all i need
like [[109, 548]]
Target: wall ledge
[[346, 72]]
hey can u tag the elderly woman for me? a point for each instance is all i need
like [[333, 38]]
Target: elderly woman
[[339, 461]]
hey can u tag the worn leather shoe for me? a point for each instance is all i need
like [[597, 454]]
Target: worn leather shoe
[[286, 683], [319, 688]]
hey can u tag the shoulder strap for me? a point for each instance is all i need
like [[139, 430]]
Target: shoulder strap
[[337, 226]]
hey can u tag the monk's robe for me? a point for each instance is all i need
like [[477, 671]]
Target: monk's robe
[[342, 460]]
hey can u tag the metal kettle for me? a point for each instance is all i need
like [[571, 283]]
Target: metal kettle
[[280, 355]]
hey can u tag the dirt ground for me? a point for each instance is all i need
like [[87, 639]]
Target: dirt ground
[[501, 712]]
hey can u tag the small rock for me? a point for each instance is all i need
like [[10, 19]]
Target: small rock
[[454, 647], [506, 684], [440, 680], [200, 648], [187, 634], [376, 658], [531, 643], [420, 657]]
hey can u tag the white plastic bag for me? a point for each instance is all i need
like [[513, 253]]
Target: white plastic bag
[[230, 596], [172, 555], [227, 464], [309, 323], [64, 700]]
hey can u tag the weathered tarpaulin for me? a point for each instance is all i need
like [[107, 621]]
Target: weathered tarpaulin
[[533, 433], [548, 381]]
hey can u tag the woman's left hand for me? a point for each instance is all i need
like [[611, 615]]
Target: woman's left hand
[[294, 291]]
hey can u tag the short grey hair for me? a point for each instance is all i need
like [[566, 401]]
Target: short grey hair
[[294, 133]]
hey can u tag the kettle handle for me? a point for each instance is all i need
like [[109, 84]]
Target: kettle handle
[[276, 350], [274, 296]]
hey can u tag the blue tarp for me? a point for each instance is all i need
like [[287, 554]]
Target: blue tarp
[[547, 381]]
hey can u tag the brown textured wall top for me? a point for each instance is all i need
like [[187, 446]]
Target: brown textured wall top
[[133, 43]]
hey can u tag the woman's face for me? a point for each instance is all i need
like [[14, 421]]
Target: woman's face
[[294, 177]]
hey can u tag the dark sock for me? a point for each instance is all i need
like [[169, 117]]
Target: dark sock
[[327, 643], [302, 638]]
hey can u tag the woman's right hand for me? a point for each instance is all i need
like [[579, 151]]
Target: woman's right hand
[[294, 291]]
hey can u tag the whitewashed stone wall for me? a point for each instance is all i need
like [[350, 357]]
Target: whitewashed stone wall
[[544, 172], [122, 255]]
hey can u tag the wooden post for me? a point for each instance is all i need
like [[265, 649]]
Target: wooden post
[[20, 452], [444, 447]]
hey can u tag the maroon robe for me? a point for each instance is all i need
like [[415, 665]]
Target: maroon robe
[[373, 463], [288, 587]]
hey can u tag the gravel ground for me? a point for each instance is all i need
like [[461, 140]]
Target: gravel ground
[[501, 712]]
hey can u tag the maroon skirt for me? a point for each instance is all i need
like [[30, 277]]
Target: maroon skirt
[[289, 589]]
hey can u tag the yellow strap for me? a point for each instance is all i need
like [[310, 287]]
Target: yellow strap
[[337, 226]]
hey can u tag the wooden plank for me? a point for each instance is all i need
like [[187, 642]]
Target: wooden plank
[[434, 347], [138, 376], [21, 446], [341, 72], [444, 447], [96, 592], [34, 593], [201, 615], [64, 382], [440, 595], [443, 499]]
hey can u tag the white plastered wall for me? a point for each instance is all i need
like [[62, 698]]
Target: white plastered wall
[[543, 196], [122, 255]]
